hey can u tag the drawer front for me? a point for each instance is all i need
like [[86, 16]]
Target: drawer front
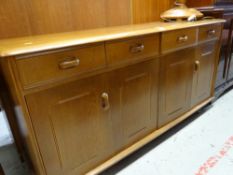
[[206, 49], [138, 48], [174, 40], [209, 32], [40, 69]]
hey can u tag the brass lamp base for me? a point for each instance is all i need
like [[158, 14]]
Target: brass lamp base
[[181, 12]]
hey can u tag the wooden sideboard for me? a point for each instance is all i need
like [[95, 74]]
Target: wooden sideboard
[[85, 100]]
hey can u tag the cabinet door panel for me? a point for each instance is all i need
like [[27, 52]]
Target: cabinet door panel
[[134, 101], [203, 75], [134, 87], [71, 121], [175, 85]]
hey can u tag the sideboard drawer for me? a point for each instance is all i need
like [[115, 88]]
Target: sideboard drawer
[[174, 40], [209, 32], [132, 49], [47, 67]]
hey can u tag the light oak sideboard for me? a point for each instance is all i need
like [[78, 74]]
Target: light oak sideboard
[[85, 100]]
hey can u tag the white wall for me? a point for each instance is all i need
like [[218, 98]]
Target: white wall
[[5, 134]]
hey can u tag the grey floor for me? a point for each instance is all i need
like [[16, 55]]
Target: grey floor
[[9, 158], [202, 145], [10, 161]]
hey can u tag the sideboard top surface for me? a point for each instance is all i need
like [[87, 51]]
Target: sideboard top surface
[[26, 45]]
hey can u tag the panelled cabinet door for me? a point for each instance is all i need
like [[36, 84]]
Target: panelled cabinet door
[[203, 72], [72, 126], [175, 84], [133, 98]]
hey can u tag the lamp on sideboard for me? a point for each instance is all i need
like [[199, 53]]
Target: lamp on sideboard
[[181, 12]]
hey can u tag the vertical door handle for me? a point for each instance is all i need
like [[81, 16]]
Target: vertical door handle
[[197, 65], [105, 101]]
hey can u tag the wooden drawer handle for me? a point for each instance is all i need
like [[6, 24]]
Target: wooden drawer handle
[[182, 39], [137, 48], [197, 65], [211, 32], [69, 63], [105, 101]]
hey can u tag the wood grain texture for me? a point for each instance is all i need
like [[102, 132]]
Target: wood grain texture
[[149, 10], [47, 16], [14, 19], [88, 14], [118, 12], [34, 17]]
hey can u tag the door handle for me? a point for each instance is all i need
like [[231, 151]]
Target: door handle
[[105, 101], [197, 65]]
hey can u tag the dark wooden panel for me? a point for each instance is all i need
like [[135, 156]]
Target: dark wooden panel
[[199, 3], [1, 170]]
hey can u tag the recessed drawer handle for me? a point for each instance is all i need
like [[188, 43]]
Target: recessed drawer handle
[[137, 48], [69, 63], [211, 32], [182, 39]]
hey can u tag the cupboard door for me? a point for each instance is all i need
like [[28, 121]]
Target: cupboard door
[[133, 97], [203, 72], [175, 85], [72, 128]]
